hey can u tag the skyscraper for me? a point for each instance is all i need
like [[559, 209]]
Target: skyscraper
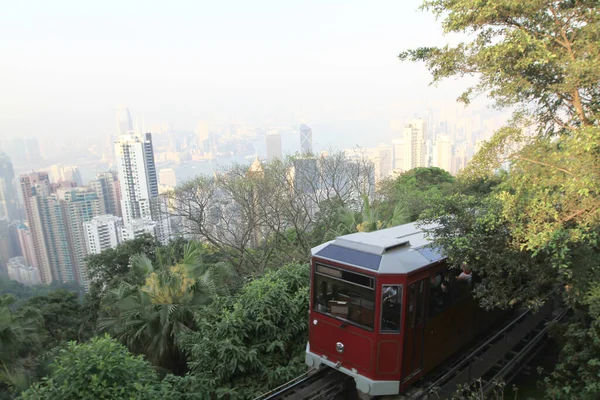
[[444, 153], [305, 139], [79, 205], [102, 233], [35, 187], [274, 146], [398, 154], [108, 189], [414, 139], [8, 200], [26, 243], [139, 186]]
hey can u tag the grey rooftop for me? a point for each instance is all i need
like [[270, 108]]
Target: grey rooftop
[[398, 250]]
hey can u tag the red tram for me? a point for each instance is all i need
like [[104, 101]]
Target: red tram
[[385, 309]]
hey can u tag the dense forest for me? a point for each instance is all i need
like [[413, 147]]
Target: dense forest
[[222, 314]]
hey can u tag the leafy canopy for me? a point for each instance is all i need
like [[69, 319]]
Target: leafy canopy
[[99, 369]]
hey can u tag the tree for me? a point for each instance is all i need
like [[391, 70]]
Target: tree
[[252, 214], [62, 314], [149, 317], [404, 198], [99, 369], [252, 342], [19, 340], [541, 58]]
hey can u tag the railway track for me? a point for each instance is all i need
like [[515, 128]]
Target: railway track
[[324, 384]]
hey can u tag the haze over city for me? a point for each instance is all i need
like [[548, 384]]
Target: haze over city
[[67, 65]]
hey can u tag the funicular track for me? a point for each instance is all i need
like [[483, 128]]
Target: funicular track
[[497, 358], [323, 384]]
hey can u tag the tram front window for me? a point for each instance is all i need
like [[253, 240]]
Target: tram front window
[[346, 295]]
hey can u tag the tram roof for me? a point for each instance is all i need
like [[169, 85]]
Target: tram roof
[[398, 250]]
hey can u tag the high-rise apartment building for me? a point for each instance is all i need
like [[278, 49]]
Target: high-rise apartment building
[[35, 187], [139, 186], [102, 233], [19, 271], [8, 198], [108, 189], [79, 205], [306, 139], [383, 161], [444, 153], [414, 140], [398, 154], [274, 150], [26, 243]]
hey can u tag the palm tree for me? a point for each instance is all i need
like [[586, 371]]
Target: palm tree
[[150, 317], [19, 337]]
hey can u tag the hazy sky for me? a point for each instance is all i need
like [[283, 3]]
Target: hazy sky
[[66, 65]]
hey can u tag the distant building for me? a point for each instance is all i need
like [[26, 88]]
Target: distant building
[[79, 205], [139, 227], [72, 174], [26, 243], [19, 271], [306, 141], [139, 187], [444, 153], [107, 187], [274, 150], [35, 187], [304, 174], [103, 232], [414, 140], [8, 198], [167, 177], [398, 154], [383, 162]]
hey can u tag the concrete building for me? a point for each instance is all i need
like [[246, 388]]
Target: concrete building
[[35, 187], [107, 188], [444, 153], [26, 243], [414, 140], [8, 197], [398, 154], [103, 232], [139, 185], [19, 271], [79, 205], [274, 150]]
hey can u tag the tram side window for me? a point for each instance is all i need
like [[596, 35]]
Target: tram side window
[[446, 288], [391, 308]]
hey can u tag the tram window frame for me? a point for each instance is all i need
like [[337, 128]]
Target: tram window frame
[[398, 306], [359, 287], [455, 292]]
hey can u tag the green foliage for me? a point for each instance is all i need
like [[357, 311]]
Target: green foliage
[[254, 341], [149, 317], [19, 340], [22, 293], [541, 225], [62, 314], [403, 199], [99, 369]]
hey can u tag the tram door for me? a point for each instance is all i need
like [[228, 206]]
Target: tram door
[[412, 359]]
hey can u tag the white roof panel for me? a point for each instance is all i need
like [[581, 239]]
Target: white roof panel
[[398, 250]]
